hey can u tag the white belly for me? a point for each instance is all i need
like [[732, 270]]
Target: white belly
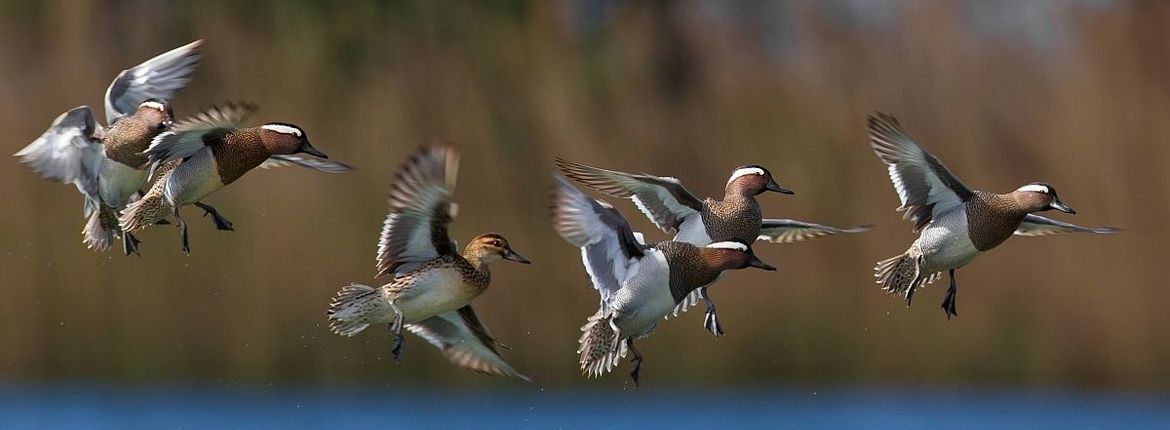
[[194, 179], [946, 243], [117, 182], [693, 231], [434, 292], [644, 298]]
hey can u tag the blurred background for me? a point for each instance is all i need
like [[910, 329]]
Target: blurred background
[[1072, 92]]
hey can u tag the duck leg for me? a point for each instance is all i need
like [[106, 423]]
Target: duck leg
[[221, 223], [396, 328], [637, 360], [130, 244], [948, 303], [711, 319], [183, 232]]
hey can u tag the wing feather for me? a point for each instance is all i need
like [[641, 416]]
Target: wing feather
[[789, 231], [317, 164], [925, 186], [662, 199], [465, 341], [160, 77], [1036, 225], [415, 230]]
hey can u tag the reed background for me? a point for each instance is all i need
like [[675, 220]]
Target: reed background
[[1072, 92]]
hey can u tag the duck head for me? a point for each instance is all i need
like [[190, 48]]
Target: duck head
[[285, 139], [156, 112], [489, 248], [752, 180], [732, 255], [1039, 197]]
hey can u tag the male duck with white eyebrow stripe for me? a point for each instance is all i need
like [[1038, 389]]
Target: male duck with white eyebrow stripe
[[209, 151], [956, 224], [676, 211]]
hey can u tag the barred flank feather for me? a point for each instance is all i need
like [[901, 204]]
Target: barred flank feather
[[350, 309], [147, 211], [600, 349], [903, 274]]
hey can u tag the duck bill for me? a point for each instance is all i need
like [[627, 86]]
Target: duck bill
[[776, 188], [1060, 206], [309, 149], [760, 264], [513, 256]]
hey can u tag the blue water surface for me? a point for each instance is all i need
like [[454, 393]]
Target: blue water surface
[[114, 407]]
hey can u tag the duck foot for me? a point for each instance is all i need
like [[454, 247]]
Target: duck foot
[[948, 303], [183, 233], [636, 374], [221, 223], [396, 328], [711, 318], [130, 244]]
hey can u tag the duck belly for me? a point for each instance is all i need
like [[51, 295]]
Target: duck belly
[[195, 178], [432, 292], [946, 242], [117, 182], [644, 298]]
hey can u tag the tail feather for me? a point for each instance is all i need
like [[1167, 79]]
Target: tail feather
[[354, 308], [101, 226], [148, 210], [903, 274], [600, 349]]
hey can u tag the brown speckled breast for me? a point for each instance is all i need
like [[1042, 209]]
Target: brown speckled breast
[[127, 138], [688, 271], [991, 219], [237, 152], [734, 218]]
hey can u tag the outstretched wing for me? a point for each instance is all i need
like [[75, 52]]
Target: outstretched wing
[[310, 163], [191, 134], [70, 152], [1036, 225], [159, 77], [415, 230], [788, 230], [662, 199], [925, 186], [465, 341], [607, 242]]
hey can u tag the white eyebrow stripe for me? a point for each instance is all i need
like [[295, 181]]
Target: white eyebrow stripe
[[1034, 188], [280, 128], [744, 172], [154, 105], [728, 245]]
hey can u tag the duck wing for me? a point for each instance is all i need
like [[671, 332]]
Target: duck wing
[[465, 341], [608, 244], [662, 199], [159, 77], [789, 230], [70, 152], [415, 230], [317, 164], [1036, 225], [925, 186]]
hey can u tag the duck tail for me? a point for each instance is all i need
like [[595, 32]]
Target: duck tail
[[903, 274], [600, 348], [350, 311], [101, 226], [148, 210]]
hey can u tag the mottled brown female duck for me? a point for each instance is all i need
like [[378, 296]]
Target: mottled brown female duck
[[433, 284]]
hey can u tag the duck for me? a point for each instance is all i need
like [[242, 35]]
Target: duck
[[639, 284], [955, 223], [104, 162], [431, 284], [206, 152], [675, 210]]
